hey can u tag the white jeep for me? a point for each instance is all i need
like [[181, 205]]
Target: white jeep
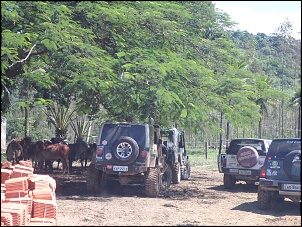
[[242, 161]]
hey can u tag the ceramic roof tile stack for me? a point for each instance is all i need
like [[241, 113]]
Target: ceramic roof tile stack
[[42, 181], [22, 171], [44, 200], [5, 175], [26, 201], [27, 198], [18, 212], [27, 163], [44, 208], [6, 219], [3, 189], [16, 187], [6, 165]]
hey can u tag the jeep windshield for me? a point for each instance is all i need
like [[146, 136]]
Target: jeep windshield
[[113, 132], [236, 144], [280, 148]]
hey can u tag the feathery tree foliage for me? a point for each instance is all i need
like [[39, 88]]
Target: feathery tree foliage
[[173, 63]]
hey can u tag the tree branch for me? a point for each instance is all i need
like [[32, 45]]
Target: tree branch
[[24, 58]]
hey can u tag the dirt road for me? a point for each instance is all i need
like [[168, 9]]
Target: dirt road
[[201, 200]]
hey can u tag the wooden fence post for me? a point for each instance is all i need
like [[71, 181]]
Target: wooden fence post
[[206, 146]]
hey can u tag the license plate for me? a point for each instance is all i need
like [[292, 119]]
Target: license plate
[[233, 170], [245, 172], [291, 187], [120, 168]]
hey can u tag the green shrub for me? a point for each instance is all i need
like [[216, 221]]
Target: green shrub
[[3, 155]]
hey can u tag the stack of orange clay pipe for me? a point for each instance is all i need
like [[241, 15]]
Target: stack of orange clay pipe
[[27, 199]]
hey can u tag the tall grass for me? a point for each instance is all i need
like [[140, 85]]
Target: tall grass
[[197, 157]]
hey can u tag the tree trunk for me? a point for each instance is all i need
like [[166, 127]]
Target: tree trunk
[[26, 122], [299, 123], [227, 134]]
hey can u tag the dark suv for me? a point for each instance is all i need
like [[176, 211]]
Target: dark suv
[[280, 176], [131, 154]]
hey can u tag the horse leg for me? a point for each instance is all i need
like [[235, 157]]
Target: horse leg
[[50, 165], [86, 162], [59, 160], [82, 165], [70, 165], [65, 166]]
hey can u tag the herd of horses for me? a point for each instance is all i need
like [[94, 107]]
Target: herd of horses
[[43, 153]]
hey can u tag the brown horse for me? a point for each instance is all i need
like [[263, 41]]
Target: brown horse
[[52, 153], [25, 143]]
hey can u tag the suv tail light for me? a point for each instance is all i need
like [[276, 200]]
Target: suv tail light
[[224, 162], [99, 151], [263, 171], [144, 153]]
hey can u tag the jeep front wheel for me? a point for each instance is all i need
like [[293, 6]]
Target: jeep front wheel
[[93, 179], [264, 200], [228, 181], [176, 174], [186, 171]]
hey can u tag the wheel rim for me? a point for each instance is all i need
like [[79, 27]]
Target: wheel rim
[[124, 150]]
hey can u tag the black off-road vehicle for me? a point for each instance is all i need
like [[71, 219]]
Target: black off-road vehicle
[[131, 154], [176, 155], [280, 175]]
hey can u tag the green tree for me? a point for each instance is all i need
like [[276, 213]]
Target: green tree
[[60, 117], [296, 102]]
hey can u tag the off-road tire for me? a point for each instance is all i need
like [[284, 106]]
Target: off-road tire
[[123, 142], [176, 173], [152, 182], [288, 165], [93, 179], [186, 171], [264, 199], [165, 178], [228, 181]]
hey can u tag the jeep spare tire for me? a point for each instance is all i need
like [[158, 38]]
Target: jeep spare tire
[[247, 156], [125, 150], [292, 165]]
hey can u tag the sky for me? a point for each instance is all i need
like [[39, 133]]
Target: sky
[[263, 16]]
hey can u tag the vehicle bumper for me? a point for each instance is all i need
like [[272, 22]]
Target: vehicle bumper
[[242, 174], [131, 170], [291, 188]]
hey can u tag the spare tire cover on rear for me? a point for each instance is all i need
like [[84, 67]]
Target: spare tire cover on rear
[[247, 156], [125, 150], [292, 165]]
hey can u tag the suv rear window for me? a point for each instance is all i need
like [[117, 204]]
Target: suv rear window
[[280, 148], [236, 144], [112, 132]]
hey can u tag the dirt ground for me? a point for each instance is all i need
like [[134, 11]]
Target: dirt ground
[[199, 201]]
